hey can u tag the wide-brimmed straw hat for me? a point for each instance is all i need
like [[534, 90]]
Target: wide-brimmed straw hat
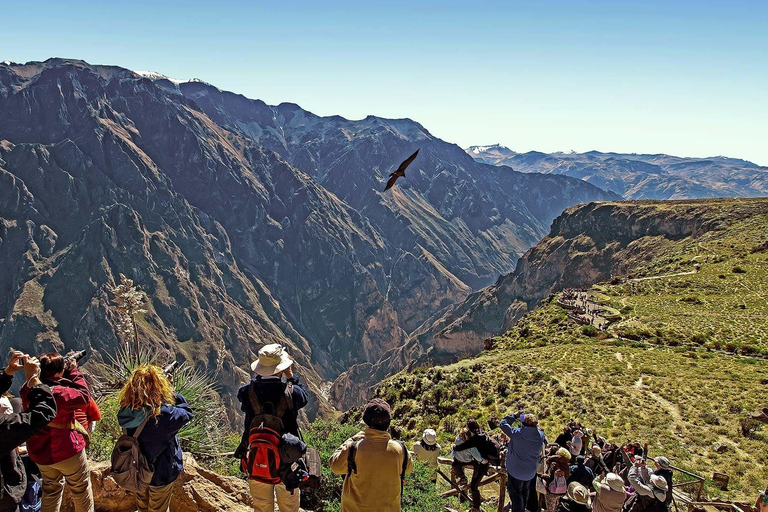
[[578, 493], [272, 360], [663, 462], [430, 437], [615, 482]]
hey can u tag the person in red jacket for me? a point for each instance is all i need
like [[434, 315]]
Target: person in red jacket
[[88, 416], [59, 448]]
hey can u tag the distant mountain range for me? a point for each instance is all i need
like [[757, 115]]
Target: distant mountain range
[[634, 176], [245, 223]]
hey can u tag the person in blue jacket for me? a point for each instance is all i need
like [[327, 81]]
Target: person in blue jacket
[[149, 398], [523, 454]]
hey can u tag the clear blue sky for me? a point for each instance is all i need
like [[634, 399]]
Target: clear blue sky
[[681, 77]]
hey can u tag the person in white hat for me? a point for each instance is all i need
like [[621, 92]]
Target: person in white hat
[[270, 388], [576, 499], [427, 450], [664, 469], [650, 490], [610, 494]]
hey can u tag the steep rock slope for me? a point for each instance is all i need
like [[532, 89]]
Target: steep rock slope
[[587, 244], [636, 176]]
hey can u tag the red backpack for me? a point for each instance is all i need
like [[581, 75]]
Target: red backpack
[[262, 461]]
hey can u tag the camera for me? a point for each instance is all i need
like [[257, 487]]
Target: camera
[[170, 368], [76, 356]]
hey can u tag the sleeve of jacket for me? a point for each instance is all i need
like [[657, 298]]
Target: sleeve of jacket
[[76, 396], [338, 461], [506, 425], [472, 442], [635, 477], [6, 381], [180, 414], [409, 464], [300, 397], [17, 428]]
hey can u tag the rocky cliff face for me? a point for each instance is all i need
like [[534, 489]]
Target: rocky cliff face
[[636, 176], [587, 244], [246, 224]]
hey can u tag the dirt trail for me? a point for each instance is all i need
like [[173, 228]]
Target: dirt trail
[[666, 404], [688, 273]]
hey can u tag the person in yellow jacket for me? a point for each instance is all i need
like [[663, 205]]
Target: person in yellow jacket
[[373, 463]]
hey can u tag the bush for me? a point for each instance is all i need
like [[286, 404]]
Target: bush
[[738, 270], [589, 330]]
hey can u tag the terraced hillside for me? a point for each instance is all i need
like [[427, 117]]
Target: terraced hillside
[[681, 368]]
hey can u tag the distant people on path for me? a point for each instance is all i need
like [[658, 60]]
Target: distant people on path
[[152, 411], [274, 396], [58, 449], [610, 494], [576, 499], [373, 463], [427, 450], [17, 428], [523, 455]]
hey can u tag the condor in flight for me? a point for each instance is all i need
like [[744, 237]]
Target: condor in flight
[[400, 170]]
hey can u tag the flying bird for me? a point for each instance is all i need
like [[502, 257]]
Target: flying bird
[[400, 170]]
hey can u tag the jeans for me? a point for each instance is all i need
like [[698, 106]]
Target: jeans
[[518, 493], [478, 472]]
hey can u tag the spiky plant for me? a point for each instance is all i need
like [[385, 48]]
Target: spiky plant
[[128, 302]]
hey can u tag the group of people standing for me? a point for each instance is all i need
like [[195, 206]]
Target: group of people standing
[[569, 475]]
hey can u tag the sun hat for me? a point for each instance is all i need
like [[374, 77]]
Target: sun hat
[[663, 462], [615, 482], [578, 493], [430, 437], [659, 482], [272, 359], [377, 414], [564, 453]]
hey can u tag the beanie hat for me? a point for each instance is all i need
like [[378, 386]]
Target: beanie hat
[[377, 414]]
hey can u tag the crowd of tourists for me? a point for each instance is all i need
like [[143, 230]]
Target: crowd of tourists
[[45, 436]]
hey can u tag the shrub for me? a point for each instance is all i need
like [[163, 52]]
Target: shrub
[[738, 270], [589, 330]]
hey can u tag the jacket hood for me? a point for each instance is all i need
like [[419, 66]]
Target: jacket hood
[[131, 418]]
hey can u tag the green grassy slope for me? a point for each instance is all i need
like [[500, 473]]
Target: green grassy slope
[[681, 368]]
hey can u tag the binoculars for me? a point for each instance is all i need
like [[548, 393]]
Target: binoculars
[[170, 368], [76, 356]]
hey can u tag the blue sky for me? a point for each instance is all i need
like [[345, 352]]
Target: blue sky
[[683, 77]]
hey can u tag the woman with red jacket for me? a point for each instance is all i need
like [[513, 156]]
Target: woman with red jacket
[[59, 448]]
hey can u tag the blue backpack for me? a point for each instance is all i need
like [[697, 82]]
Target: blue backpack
[[32, 499]]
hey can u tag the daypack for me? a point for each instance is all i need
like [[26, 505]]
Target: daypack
[[262, 462], [130, 467], [352, 465], [558, 485]]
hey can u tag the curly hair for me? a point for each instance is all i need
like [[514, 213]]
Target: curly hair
[[147, 387]]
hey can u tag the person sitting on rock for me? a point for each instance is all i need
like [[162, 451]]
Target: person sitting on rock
[[576, 499], [427, 450], [374, 464], [152, 411]]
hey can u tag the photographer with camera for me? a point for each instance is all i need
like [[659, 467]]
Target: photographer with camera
[[59, 448], [16, 428]]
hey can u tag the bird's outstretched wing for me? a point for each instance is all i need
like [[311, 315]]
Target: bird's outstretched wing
[[392, 179], [407, 162]]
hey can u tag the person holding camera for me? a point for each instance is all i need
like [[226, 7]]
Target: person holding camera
[[16, 428], [152, 411], [58, 449]]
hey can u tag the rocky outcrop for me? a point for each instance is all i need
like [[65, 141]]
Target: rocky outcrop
[[196, 490]]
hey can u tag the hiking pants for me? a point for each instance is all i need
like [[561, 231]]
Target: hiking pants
[[264, 497], [478, 472], [155, 498], [75, 472], [553, 500], [518, 493]]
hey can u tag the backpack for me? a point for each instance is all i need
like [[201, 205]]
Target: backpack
[[558, 485], [262, 461], [352, 465], [130, 467]]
